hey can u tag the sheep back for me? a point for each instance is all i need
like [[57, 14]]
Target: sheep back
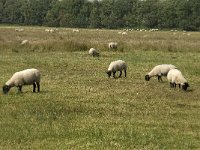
[[161, 70]]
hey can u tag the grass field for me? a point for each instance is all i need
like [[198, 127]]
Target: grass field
[[79, 107]]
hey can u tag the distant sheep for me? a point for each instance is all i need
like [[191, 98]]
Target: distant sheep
[[24, 42], [115, 66], [176, 77], [159, 71], [152, 30], [93, 52], [25, 77], [19, 29], [75, 30], [113, 45], [124, 33], [51, 30]]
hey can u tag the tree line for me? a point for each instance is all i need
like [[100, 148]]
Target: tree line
[[111, 14]]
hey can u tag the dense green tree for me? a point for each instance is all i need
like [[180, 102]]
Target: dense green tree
[[148, 12], [12, 12], [95, 19], [55, 15], [131, 18], [37, 11], [1, 11], [195, 15], [183, 14]]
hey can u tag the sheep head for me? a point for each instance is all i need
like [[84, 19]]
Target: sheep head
[[185, 86], [6, 89], [109, 73], [147, 77]]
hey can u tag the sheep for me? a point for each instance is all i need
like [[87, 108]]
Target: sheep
[[152, 30], [124, 33], [75, 30], [47, 30], [115, 66], [24, 42], [113, 45], [51, 30], [175, 77], [159, 71], [19, 29], [24, 77], [93, 52]]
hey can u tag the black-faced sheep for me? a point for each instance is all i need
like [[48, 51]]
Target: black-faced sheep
[[25, 77], [24, 42], [112, 45], [159, 71], [175, 77], [93, 52], [115, 66]]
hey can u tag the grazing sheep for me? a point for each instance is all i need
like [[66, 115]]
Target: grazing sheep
[[124, 33], [24, 42], [113, 45], [25, 77], [51, 30], [75, 30], [93, 52], [159, 71], [19, 29], [175, 77], [115, 66], [47, 30]]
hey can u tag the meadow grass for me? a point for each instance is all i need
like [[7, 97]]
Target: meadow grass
[[79, 107]]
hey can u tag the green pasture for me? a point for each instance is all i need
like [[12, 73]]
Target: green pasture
[[79, 107]]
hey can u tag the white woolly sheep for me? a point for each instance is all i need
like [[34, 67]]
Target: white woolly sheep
[[124, 33], [113, 45], [51, 30], [159, 71], [175, 77], [47, 30], [19, 29], [75, 30], [25, 77], [115, 66], [24, 42], [93, 52]]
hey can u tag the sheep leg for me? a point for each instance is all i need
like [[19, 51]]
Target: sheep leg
[[120, 74], [179, 85], [34, 86], [160, 79], [114, 74], [171, 85], [20, 88], [174, 85], [38, 86], [125, 72]]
